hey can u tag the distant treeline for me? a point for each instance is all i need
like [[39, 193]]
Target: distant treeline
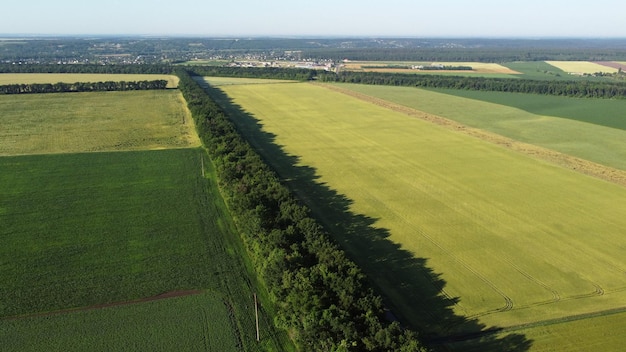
[[582, 88], [478, 54], [82, 87], [321, 297], [85, 68], [578, 88]]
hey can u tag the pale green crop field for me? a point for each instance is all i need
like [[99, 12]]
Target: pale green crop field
[[95, 121], [31, 78], [504, 239], [572, 136]]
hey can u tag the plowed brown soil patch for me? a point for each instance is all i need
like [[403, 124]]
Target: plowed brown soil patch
[[567, 161]]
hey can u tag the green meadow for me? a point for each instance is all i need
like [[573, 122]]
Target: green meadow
[[458, 233], [591, 129]]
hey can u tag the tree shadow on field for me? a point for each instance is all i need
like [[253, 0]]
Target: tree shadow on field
[[412, 290]]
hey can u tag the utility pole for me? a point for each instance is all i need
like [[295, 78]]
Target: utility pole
[[256, 313]]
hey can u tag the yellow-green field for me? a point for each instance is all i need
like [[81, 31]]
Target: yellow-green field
[[94, 121], [594, 142], [515, 239], [580, 67], [31, 78], [384, 66]]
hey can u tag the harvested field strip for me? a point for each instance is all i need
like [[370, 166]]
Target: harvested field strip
[[568, 161], [28, 78], [450, 199], [580, 67]]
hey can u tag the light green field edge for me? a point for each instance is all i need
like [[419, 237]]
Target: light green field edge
[[94, 122], [596, 143], [517, 240], [190, 323], [579, 334], [30, 78]]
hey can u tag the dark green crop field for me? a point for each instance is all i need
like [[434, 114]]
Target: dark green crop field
[[84, 229]]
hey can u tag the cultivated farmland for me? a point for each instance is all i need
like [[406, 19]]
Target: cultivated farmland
[[591, 129], [459, 233], [581, 67], [95, 121], [105, 250], [190, 323]]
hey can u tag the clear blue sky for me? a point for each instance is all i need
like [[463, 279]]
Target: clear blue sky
[[414, 18]]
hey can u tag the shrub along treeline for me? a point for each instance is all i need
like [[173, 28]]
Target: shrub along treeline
[[82, 87], [321, 297], [581, 89]]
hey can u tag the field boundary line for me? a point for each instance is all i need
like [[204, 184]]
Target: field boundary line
[[162, 296], [570, 162]]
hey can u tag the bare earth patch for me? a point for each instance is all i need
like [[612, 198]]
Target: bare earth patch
[[567, 161]]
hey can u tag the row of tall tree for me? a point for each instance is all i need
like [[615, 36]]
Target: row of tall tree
[[297, 74], [86, 68], [82, 87], [581, 88], [322, 298]]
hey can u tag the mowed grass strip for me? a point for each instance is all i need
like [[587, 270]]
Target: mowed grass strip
[[516, 239], [591, 129], [94, 122], [29, 78], [191, 323], [87, 229]]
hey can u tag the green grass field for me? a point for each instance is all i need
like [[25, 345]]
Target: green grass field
[[442, 221], [591, 129], [190, 323], [29, 78], [94, 121]]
